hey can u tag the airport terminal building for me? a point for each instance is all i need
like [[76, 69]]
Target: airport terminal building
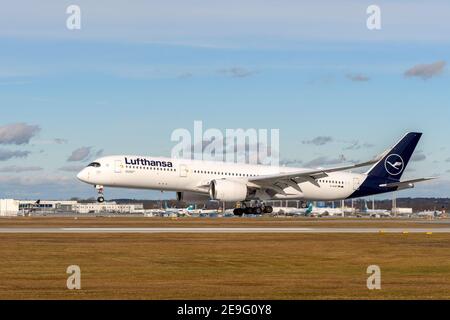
[[11, 207]]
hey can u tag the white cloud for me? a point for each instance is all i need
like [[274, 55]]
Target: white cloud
[[19, 169], [80, 154], [9, 154], [84, 154], [357, 77], [71, 168], [319, 141], [418, 156], [356, 145], [324, 161], [50, 141], [426, 71], [237, 72], [17, 133], [35, 180], [59, 141]]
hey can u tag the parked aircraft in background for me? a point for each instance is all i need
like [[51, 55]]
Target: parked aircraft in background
[[375, 212], [431, 214], [326, 211], [291, 211]]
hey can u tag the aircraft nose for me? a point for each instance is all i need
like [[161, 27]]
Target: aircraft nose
[[83, 175]]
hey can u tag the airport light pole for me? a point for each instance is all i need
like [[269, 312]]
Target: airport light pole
[[394, 204]]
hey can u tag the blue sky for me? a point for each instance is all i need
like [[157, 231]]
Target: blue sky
[[133, 74]]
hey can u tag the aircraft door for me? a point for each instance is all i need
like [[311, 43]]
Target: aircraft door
[[118, 166], [184, 171]]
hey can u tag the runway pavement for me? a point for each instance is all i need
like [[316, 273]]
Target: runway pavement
[[17, 230]]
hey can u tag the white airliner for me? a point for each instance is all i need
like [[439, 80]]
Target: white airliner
[[251, 185], [375, 212]]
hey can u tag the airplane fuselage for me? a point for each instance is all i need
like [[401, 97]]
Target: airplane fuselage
[[179, 175], [199, 181]]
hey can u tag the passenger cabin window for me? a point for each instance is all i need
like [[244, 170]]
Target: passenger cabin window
[[94, 164]]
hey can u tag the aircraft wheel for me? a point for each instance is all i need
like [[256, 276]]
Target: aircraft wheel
[[268, 209], [238, 212], [100, 199]]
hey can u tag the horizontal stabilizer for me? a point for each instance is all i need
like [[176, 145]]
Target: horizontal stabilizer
[[405, 184]]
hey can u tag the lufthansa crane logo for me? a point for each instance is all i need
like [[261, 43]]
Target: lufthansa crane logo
[[394, 164]]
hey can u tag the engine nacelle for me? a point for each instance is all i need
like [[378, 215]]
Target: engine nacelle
[[226, 190], [192, 197]]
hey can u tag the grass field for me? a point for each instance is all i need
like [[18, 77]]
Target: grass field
[[221, 266]]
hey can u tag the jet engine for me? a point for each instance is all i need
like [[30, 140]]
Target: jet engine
[[226, 190]]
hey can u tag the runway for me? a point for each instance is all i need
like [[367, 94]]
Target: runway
[[224, 230]]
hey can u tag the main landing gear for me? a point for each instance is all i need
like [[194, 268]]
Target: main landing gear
[[252, 208], [100, 198]]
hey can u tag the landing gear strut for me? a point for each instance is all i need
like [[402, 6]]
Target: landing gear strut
[[100, 198], [252, 207]]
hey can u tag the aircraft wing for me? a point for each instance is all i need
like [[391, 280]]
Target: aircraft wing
[[405, 184], [278, 182]]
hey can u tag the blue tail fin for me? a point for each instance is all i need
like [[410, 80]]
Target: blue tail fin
[[395, 160]]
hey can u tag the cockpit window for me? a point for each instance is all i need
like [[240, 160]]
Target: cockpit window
[[94, 164]]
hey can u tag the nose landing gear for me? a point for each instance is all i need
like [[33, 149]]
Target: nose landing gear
[[100, 198]]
